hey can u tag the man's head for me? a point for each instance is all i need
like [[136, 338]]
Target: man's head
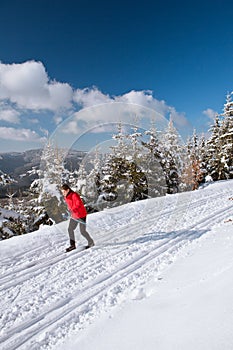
[[65, 189]]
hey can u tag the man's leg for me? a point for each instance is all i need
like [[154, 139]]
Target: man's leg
[[84, 232], [72, 226]]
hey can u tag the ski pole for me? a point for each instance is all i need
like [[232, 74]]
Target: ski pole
[[80, 221]]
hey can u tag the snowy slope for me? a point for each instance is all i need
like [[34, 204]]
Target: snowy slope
[[190, 307], [52, 300]]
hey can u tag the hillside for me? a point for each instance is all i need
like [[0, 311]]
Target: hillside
[[159, 275], [17, 164]]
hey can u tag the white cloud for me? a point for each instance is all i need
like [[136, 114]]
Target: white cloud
[[28, 86], [90, 97], [210, 113], [57, 119], [101, 116], [144, 98], [72, 127], [179, 119], [19, 135], [9, 115]]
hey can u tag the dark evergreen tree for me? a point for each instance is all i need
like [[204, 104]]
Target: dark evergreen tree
[[220, 144], [123, 179], [193, 174], [5, 179], [226, 140], [52, 174], [154, 165], [214, 165], [203, 157], [172, 158]]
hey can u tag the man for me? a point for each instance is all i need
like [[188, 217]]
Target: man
[[78, 216]]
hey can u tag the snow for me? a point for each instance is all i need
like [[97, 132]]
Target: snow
[[7, 214], [159, 277]]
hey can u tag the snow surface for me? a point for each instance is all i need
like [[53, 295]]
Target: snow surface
[[159, 277]]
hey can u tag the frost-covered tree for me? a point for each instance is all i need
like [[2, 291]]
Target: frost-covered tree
[[114, 175], [220, 144], [52, 174], [19, 216], [10, 196], [123, 179], [203, 157], [89, 179], [5, 179], [154, 164], [226, 139], [12, 224], [172, 157], [214, 165], [121, 147], [79, 180], [193, 174]]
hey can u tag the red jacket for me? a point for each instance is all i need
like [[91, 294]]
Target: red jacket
[[75, 205]]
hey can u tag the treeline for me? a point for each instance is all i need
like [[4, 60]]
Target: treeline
[[140, 164]]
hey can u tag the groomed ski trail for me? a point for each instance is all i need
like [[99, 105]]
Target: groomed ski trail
[[69, 291]]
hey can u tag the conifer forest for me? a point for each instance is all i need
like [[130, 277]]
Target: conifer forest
[[140, 164]]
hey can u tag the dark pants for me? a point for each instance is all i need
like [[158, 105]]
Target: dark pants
[[82, 225]]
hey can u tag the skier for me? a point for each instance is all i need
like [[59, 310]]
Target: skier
[[78, 216]]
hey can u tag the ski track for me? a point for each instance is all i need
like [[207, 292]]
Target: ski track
[[123, 261]]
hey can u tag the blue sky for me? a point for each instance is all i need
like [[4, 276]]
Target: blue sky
[[59, 56]]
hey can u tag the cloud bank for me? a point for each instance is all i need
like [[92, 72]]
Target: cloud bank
[[27, 85], [210, 113], [26, 89], [25, 135], [9, 114]]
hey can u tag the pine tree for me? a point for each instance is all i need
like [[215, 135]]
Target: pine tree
[[51, 176], [220, 144], [123, 179], [154, 164], [172, 158], [5, 179], [137, 165], [91, 181], [79, 180], [113, 184], [193, 174], [203, 157], [113, 189], [10, 196], [213, 148], [226, 139]]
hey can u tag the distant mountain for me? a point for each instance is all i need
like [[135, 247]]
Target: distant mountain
[[16, 165]]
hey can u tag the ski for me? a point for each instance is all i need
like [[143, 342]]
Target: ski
[[79, 249]]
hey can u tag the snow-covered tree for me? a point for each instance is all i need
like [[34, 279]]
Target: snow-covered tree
[[51, 176], [226, 139], [154, 164], [193, 174], [12, 224], [203, 158], [5, 179], [220, 144], [123, 179], [114, 173], [89, 179], [172, 157], [10, 196], [214, 165]]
